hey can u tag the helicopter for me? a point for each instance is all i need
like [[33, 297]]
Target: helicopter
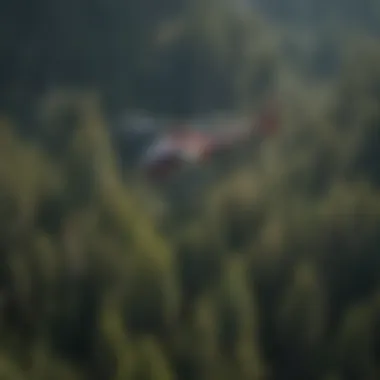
[[188, 145]]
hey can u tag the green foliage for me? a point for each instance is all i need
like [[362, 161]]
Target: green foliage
[[271, 273]]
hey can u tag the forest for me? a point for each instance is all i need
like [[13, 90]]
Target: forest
[[269, 271]]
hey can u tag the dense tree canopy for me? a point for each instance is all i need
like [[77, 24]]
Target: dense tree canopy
[[270, 272]]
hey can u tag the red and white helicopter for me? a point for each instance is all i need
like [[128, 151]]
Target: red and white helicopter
[[187, 145]]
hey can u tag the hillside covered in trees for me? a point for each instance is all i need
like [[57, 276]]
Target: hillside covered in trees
[[271, 273]]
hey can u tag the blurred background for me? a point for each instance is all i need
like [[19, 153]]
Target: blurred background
[[262, 265]]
